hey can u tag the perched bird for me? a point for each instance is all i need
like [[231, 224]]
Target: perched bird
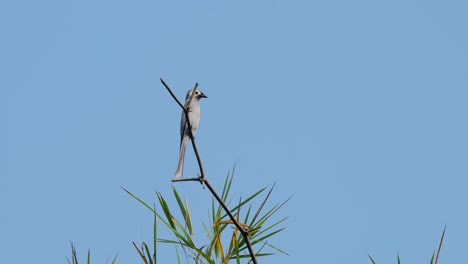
[[194, 118]]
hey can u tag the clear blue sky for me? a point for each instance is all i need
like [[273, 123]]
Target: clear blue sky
[[358, 108]]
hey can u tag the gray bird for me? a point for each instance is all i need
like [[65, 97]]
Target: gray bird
[[194, 117]]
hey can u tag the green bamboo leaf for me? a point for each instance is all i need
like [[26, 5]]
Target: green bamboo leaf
[[74, 258], [277, 249], [432, 258], [188, 218], [262, 254], [263, 238], [227, 185], [270, 212], [169, 241], [263, 204], [247, 215], [398, 258], [138, 199], [178, 257], [179, 202], [183, 207], [148, 253], [174, 225], [89, 256], [115, 259], [213, 218], [247, 256], [237, 252], [166, 210], [373, 262], [266, 229], [155, 234], [259, 251]]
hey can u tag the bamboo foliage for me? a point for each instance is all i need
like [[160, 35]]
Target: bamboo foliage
[[225, 243]]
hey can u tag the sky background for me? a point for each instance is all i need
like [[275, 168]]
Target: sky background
[[356, 108]]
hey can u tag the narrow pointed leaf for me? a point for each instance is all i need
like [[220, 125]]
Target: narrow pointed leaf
[[136, 198], [148, 253]]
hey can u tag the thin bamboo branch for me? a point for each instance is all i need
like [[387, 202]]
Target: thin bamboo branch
[[172, 94], [186, 179], [202, 179]]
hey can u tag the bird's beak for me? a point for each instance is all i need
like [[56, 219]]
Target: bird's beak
[[202, 95]]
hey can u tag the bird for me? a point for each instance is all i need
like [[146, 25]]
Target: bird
[[194, 118]]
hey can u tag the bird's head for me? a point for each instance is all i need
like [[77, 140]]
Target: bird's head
[[198, 95]]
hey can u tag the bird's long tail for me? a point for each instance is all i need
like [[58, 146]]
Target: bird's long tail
[[180, 165]]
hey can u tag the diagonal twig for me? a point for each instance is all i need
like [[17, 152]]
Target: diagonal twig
[[172, 94]]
